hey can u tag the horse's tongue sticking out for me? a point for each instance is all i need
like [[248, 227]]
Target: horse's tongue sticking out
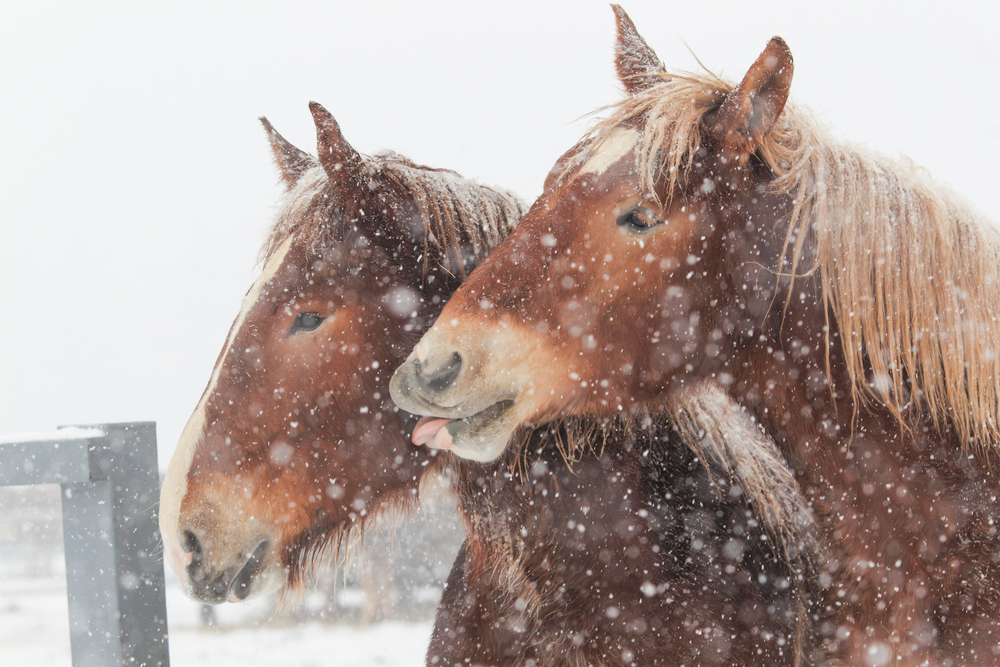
[[431, 431]]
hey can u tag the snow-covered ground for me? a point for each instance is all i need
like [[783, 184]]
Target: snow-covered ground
[[34, 619], [34, 631]]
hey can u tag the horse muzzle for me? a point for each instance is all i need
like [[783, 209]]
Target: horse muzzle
[[463, 414], [213, 576]]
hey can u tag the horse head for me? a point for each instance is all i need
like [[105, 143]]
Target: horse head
[[614, 289], [295, 445]]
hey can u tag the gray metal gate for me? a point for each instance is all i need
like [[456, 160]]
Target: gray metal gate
[[110, 487]]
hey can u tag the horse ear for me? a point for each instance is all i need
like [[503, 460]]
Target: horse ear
[[750, 112], [637, 64], [339, 159], [290, 160]]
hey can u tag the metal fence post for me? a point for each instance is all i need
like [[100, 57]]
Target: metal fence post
[[114, 567]]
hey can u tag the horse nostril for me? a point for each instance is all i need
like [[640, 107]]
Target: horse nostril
[[439, 378], [242, 585], [191, 545], [190, 542]]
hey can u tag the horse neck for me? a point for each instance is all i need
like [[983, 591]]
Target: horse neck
[[533, 506], [792, 377], [538, 494], [787, 368]]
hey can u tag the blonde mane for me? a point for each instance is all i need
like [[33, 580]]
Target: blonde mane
[[910, 275], [456, 212]]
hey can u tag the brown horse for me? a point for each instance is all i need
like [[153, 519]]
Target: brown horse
[[295, 446], [706, 231], [634, 541]]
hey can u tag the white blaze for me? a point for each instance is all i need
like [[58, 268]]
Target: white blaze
[[175, 483], [612, 149]]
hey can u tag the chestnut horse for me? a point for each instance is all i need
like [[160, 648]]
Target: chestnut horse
[[664, 540], [295, 445], [710, 231]]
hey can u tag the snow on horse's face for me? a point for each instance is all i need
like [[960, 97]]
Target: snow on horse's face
[[710, 232], [613, 289], [295, 443]]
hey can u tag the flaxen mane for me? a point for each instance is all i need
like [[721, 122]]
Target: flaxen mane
[[726, 438], [458, 215], [910, 275]]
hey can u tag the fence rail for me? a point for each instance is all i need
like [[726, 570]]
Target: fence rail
[[114, 566]]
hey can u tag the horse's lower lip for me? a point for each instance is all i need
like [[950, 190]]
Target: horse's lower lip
[[466, 433]]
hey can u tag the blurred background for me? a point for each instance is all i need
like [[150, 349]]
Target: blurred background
[[136, 185], [137, 182]]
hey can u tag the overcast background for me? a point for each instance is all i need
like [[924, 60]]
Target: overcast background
[[136, 182]]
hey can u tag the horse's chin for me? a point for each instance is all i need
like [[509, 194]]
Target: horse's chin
[[480, 437]]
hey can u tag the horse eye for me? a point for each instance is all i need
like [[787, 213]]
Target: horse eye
[[638, 219], [306, 322]]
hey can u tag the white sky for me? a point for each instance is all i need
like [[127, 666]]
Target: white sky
[[136, 182]]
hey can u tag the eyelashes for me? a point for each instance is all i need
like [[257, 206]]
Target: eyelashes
[[305, 322], [639, 219]]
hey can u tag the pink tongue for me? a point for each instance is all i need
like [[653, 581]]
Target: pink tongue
[[427, 428]]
